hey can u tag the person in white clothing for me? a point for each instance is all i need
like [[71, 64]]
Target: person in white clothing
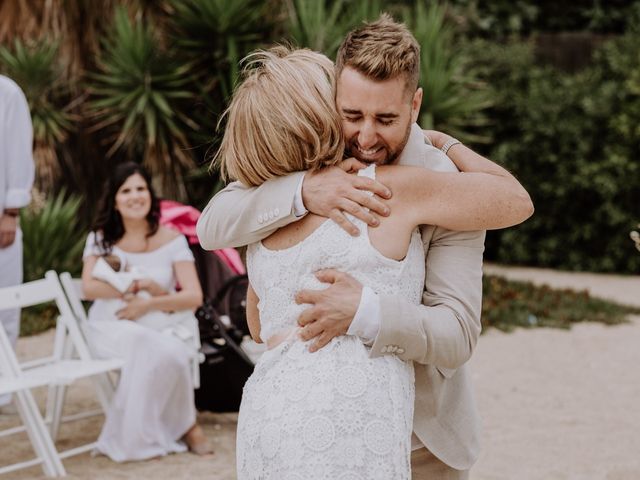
[[153, 410], [16, 179]]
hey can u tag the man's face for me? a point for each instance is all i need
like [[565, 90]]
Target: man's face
[[376, 115]]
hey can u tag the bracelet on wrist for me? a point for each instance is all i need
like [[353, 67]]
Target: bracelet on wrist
[[13, 212], [448, 144]]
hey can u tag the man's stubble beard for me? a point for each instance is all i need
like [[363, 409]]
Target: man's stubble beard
[[391, 158]]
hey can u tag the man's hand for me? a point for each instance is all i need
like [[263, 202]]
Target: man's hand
[[333, 191], [135, 308], [332, 309], [8, 227]]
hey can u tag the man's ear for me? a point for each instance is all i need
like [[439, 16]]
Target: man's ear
[[415, 105]]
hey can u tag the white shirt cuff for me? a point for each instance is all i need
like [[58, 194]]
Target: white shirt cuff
[[299, 209], [17, 198], [366, 321]]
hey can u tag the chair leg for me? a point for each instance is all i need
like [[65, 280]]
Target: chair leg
[[39, 435], [104, 390], [56, 393], [56, 396]]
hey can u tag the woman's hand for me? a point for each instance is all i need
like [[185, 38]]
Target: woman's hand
[[135, 308], [148, 285]]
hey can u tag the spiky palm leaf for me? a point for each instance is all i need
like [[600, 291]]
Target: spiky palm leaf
[[213, 35], [140, 94], [52, 237], [453, 100], [75, 25], [33, 67], [322, 24]]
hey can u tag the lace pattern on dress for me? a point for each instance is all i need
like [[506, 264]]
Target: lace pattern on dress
[[336, 413]]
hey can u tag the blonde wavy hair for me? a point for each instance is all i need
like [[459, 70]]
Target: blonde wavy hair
[[282, 117]]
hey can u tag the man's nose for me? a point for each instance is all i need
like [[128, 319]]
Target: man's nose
[[367, 136]]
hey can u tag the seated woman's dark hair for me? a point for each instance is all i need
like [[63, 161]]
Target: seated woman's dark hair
[[108, 223]]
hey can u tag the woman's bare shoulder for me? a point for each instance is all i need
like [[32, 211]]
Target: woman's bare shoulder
[[164, 235]]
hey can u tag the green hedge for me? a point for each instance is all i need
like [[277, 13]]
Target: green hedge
[[504, 18], [574, 142]]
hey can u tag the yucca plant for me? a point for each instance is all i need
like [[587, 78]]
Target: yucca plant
[[74, 25], [141, 99], [53, 239], [213, 35], [453, 99], [53, 236], [322, 24], [33, 67]]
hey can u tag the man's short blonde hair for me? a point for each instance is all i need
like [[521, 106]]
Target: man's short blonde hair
[[282, 117], [381, 50]]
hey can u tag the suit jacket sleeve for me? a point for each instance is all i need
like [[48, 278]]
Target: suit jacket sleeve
[[239, 215], [443, 331]]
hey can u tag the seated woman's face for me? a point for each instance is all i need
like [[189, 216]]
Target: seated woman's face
[[133, 199]]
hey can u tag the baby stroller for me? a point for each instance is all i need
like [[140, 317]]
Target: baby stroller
[[222, 318]]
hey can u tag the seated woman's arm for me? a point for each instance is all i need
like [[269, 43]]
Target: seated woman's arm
[[188, 298], [457, 201], [190, 295], [253, 315], [92, 288]]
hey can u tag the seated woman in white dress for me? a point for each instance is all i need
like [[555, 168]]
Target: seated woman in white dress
[[153, 411], [335, 413]]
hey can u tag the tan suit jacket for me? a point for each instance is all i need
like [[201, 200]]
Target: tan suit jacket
[[439, 336]]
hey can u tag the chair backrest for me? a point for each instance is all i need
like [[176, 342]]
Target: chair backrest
[[48, 290], [9, 365], [30, 293], [73, 288]]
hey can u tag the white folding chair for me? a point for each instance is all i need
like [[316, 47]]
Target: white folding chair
[[103, 383], [53, 371], [73, 289], [13, 381]]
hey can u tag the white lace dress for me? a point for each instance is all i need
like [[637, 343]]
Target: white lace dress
[[336, 413]]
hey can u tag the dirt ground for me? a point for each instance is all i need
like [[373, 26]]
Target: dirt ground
[[555, 404]]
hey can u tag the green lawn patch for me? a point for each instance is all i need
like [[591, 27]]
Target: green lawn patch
[[508, 304]]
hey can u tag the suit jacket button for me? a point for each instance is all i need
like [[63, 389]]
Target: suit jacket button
[[271, 215], [276, 212], [260, 219], [400, 351]]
